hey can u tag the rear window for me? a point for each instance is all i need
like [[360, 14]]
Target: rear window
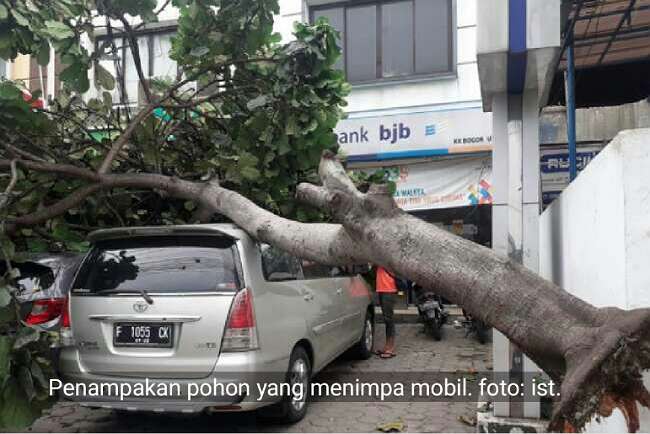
[[161, 264], [33, 276]]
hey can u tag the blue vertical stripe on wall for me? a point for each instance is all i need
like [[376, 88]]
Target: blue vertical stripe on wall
[[516, 46]]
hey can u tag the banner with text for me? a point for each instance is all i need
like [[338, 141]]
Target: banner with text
[[461, 181], [415, 135]]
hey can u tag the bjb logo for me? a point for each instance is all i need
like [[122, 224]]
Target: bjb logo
[[399, 131]]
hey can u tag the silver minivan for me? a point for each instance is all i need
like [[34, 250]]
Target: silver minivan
[[202, 306]]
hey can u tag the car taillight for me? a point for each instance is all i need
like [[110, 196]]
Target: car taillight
[[241, 332], [44, 311], [65, 317], [66, 338]]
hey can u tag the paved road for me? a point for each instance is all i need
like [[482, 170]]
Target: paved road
[[416, 353]]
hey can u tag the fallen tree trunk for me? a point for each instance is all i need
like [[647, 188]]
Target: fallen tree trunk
[[597, 354]]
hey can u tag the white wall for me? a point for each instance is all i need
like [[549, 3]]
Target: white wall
[[595, 238], [461, 90]]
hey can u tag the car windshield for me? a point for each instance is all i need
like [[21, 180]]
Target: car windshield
[[160, 264]]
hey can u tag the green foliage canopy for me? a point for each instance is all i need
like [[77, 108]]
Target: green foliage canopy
[[245, 110]]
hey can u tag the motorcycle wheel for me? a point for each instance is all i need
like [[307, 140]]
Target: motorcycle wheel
[[433, 329], [481, 331]]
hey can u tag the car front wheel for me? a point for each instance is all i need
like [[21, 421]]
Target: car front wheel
[[363, 349]]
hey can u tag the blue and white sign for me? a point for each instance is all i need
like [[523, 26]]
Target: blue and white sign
[[554, 168], [415, 135]]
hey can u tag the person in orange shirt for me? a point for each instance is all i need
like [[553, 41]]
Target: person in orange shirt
[[387, 291]]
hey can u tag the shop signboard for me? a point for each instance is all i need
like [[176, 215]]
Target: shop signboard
[[415, 135], [554, 168], [446, 183]]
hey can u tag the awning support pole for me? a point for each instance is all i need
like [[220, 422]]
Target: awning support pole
[[571, 109]]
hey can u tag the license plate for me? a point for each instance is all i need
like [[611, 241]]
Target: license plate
[[136, 334], [430, 305]]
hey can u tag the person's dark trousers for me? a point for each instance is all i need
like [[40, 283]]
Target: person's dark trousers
[[387, 303]]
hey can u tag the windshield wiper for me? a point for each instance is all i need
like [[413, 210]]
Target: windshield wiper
[[142, 292]]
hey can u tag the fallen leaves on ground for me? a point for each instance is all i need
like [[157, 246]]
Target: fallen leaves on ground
[[471, 421], [396, 426]]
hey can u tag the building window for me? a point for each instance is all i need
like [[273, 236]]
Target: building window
[[154, 51], [392, 38]]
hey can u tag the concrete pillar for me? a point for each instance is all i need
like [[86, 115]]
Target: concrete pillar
[[500, 179], [515, 218], [531, 208]]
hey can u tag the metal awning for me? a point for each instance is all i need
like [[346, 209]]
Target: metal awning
[[606, 32]]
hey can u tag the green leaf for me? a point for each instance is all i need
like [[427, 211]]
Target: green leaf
[[5, 357], [77, 76], [43, 54], [283, 145], [31, 6], [25, 335], [43, 361], [199, 51], [77, 246], [4, 13], [63, 233], [58, 30], [15, 411], [257, 102], [9, 91], [5, 296], [104, 78], [20, 18], [26, 382], [292, 126], [189, 205], [8, 247], [7, 314], [36, 245], [107, 100], [250, 173], [38, 375]]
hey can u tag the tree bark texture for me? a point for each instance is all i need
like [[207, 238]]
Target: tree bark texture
[[597, 354]]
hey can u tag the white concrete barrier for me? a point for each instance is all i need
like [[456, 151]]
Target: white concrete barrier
[[595, 238]]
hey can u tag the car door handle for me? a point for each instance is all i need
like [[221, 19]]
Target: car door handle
[[339, 291], [308, 296]]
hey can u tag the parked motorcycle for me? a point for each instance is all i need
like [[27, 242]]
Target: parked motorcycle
[[431, 311], [476, 327]]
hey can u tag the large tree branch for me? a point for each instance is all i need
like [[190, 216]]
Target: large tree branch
[[123, 139], [4, 198], [53, 210], [135, 52], [597, 354], [323, 242], [66, 170], [22, 153]]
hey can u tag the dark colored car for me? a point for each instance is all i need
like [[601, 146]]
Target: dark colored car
[[43, 285]]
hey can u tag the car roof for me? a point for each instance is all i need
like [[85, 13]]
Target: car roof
[[48, 258], [227, 229]]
